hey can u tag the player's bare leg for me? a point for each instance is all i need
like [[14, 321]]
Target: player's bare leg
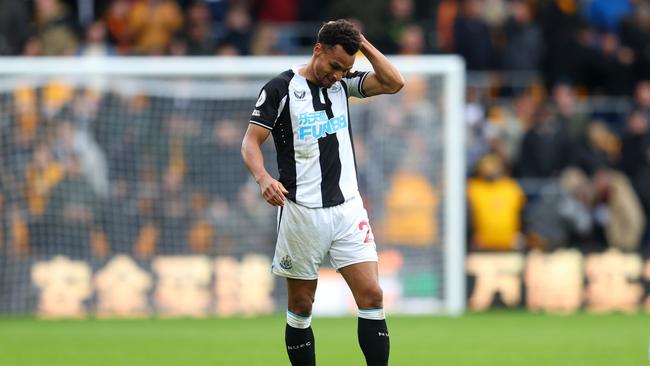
[[299, 337], [363, 280]]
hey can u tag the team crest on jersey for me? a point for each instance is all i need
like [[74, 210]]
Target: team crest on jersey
[[335, 88], [286, 262], [299, 93], [261, 99]]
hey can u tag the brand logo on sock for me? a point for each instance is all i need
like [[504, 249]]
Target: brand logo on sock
[[299, 346], [286, 262], [382, 334]]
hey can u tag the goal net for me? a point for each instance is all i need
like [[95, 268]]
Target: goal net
[[123, 193]]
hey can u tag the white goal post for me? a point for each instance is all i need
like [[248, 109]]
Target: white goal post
[[242, 77]]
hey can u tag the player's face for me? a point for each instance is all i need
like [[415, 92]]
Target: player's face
[[331, 64]]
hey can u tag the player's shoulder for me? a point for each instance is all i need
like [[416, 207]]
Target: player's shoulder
[[280, 81]]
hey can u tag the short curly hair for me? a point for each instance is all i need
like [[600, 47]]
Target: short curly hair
[[340, 32]]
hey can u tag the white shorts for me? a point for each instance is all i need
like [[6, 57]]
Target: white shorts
[[307, 235]]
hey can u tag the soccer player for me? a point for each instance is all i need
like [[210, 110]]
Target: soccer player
[[320, 210]]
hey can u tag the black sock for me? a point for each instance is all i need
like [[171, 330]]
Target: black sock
[[300, 346], [374, 341]]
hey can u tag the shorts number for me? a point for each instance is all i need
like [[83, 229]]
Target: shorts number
[[369, 237]]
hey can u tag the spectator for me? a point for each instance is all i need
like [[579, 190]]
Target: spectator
[[201, 235], [239, 27], [635, 159], [642, 96], [389, 139], [96, 43], [524, 43], [20, 235], [71, 215], [569, 112], [26, 116], [494, 12], [600, 148], [124, 135], [14, 27], [635, 34], [117, 24], [252, 212], [72, 142], [425, 127], [56, 98], [41, 176], [446, 13], [148, 214], [412, 41], [84, 107], [506, 126], [152, 23], [168, 145], [636, 142], [120, 219], [54, 28], [561, 217], [618, 210], [472, 38], [561, 24], [545, 146], [198, 30], [609, 67], [410, 215], [400, 17], [265, 41], [495, 205], [225, 224], [175, 213], [216, 167], [475, 114]]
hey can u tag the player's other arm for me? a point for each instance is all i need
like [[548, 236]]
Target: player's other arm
[[385, 79], [272, 190]]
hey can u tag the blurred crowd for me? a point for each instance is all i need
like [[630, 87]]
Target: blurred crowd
[[557, 118], [94, 173], [597, 44], [91, 173], [559, 171]]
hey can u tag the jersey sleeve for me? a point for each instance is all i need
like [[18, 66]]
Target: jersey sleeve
[[270, 103], [354, 81]]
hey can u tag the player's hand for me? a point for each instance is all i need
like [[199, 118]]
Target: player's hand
[[272, 191], [364, 42], [363, 38]]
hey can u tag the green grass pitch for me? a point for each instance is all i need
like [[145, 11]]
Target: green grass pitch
[[493, 338]]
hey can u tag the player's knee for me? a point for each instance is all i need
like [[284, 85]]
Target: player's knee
[[301, 305], [372, 298]]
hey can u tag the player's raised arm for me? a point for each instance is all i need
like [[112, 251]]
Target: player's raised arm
[[385, 79], [272, 190]]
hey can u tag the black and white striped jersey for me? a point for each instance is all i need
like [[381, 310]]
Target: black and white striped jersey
[[313, 139]]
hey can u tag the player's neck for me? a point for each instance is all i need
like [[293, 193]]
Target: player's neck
[[307, 73]]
